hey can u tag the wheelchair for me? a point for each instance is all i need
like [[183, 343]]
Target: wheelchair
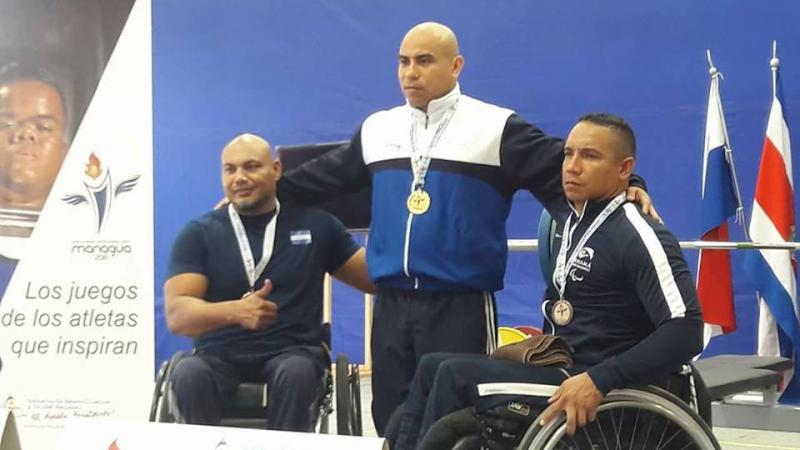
[[648, 417], [248, 406], [674, 415]]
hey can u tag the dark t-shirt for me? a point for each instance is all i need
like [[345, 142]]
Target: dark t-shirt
[[308, 243]]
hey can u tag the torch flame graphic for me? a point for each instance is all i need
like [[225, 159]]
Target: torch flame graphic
[[93, 168]]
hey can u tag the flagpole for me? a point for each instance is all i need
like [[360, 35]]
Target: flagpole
[[715, 76], [774, 63], [739, 208], [523, 245]]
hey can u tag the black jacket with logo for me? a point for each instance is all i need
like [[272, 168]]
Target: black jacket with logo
[[636, 315]]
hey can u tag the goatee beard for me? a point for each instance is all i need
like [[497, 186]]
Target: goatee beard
[[251, 208]]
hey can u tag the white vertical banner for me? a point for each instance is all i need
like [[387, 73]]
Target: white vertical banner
[[76, 321]]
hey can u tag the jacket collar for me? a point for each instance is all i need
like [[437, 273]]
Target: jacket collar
[[591, 210], [438, 107]]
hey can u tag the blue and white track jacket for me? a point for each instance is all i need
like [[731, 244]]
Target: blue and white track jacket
[[484, 155]]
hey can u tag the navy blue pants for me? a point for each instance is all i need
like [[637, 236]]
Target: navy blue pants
[[203, 383], [447, 382], [409, 324]]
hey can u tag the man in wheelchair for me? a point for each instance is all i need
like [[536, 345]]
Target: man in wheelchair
[[246, 283], [621, 298]]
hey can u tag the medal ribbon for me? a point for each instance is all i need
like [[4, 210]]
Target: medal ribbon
[[252, 270], [562, 265], [421, 160]]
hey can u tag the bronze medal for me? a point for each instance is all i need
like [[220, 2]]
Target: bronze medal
[[418, 202], [562, 312]]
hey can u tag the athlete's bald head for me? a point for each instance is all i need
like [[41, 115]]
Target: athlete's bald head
[[248, 140], [249, 175], [440, 36], [429, 63]]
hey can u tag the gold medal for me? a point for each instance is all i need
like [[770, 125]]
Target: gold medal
[[562, 312], [418, 202]]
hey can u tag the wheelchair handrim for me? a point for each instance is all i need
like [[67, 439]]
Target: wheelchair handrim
[[550, 435]]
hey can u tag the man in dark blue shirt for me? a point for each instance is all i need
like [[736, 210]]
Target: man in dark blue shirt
[[621, 295], [246, 282]]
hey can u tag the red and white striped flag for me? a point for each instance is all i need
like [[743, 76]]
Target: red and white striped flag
[[773, 220]]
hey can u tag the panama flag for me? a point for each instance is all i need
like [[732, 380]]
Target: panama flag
[[773, 271], [720, 201]]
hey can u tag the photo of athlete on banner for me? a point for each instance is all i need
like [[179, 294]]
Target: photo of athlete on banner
[[33, 143], [52, 55]]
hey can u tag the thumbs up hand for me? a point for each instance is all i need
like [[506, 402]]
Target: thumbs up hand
[[257, 313]]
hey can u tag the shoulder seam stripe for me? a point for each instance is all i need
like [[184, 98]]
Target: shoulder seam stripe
[[666, 279]]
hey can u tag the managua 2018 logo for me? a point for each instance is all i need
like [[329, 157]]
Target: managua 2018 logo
[[100, 190]]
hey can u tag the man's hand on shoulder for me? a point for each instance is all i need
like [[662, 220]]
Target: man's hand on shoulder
[[579, 398], [642, 198], [256, 312]]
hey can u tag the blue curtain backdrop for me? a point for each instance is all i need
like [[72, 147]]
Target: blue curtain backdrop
[[308, 71]]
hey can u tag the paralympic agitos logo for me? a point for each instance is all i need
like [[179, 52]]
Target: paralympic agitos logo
[[100, 190]]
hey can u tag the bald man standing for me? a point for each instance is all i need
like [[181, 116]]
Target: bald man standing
[[443, 169], [246, 282]]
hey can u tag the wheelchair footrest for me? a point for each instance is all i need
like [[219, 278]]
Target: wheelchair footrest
[[725, 375]]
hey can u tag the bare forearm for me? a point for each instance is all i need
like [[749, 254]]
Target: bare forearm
[[193, 317]]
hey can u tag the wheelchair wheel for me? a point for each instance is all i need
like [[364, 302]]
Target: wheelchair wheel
[[348, 405], [648, 417], [325, 407], [355, 391], [323, 427], [161, 410], [159, 386], [701, 399], [472, 442]]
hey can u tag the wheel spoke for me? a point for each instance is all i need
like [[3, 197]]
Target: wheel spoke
[[602, 434], [569, 447], [588, 438], [646, 439], [635, 426], [677, 432], [663, 433], [617, 446]]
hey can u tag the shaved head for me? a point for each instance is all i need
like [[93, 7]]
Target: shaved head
[[249, 175], [248, 140], [438, 35], [429, 63]]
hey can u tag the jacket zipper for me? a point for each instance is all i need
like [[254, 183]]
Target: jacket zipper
[[408, 233]]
